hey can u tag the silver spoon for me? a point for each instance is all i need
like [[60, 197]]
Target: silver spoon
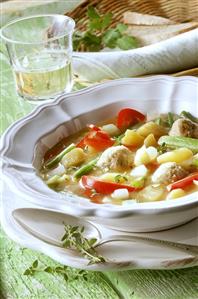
[[47, 226]]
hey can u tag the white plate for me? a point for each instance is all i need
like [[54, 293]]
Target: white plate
[[120, 255], [26, 141]]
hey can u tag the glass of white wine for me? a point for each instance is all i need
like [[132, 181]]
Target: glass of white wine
[[40, 52]]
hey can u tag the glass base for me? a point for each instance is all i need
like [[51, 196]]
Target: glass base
[[42, 99]]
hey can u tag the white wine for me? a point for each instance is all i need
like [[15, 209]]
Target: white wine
[[44, 75]]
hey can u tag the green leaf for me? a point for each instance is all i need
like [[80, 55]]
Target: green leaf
[[65, 276], [76, 277], [77, 39], [48, 269], [121, 28], [106, 20], [64, 237], [35, 264], [91, 38], [138, 183], [92, 41], [119, 178], [66, 244], [162, 148], [127, 42], [74, 229], [81, 271], [58, 269], [27, 272], [85, 277], [110, 38], [92, 13], [95, 24], [92, 242]]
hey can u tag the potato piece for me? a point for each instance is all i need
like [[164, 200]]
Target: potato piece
[[132, 138], [145, 155], [150, 140], [151, 193], [176, 193], [141, 157], [151, 128], [178, 156], [73, 158]]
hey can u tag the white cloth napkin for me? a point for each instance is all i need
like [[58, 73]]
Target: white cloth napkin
[[172, 55]]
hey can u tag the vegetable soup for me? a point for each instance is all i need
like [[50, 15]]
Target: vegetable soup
[[132, 158]]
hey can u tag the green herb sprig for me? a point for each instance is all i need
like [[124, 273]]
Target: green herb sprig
[[97, 36], [162, 148], [73, 238], [67, 274], [119, 178]]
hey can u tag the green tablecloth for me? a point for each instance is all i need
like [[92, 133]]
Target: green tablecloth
[[14, 260]]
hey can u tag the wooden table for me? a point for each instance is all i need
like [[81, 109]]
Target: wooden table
[[136, 284]]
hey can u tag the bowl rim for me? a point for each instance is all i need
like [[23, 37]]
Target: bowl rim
[[90, 208]]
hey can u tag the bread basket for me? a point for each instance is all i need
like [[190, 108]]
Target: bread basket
[[174, 10]]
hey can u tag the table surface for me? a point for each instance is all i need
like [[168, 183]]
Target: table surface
[[136, 284]]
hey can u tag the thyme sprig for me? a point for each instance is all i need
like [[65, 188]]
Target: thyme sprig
[[67, 274], [73, 239]]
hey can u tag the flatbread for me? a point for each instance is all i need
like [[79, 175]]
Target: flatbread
[[135, 18], [147, 35]]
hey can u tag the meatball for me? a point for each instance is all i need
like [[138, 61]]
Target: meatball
[[184, 127], [168, 173], [117, 158]]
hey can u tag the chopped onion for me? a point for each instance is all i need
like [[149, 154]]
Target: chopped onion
[[152, 152], [195, 182], [120, 194], [111, 129], [57, 171], [139, 171]]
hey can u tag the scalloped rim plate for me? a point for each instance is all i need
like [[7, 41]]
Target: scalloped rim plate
[[118, 253], [51, 121]]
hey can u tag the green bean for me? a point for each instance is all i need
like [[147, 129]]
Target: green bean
[[85, 168], [118, 139], [195, 163], [57, 159], [158, 121], [188, 115], [179, 141], [170, 117]]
